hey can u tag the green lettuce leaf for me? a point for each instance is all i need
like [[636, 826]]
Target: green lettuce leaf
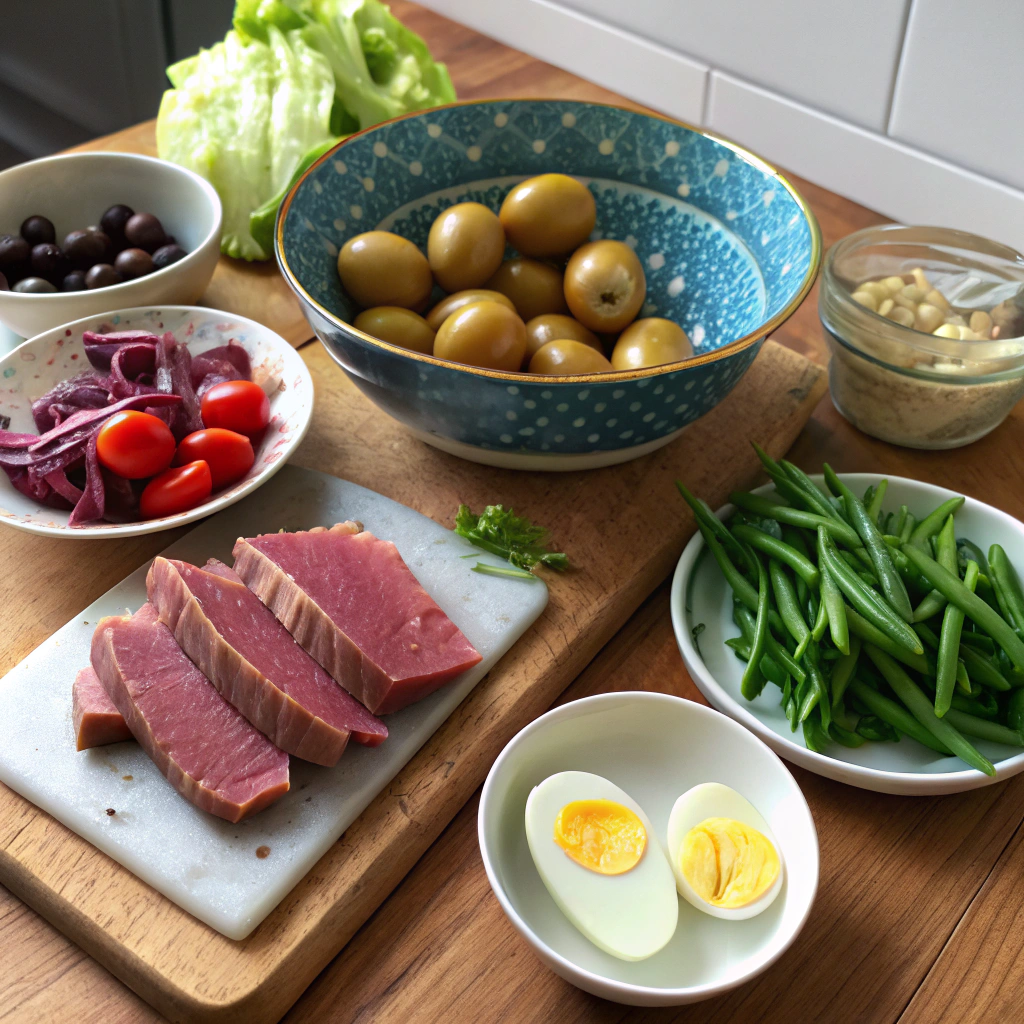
[[242, 115]]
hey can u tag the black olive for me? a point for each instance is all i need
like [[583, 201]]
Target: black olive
[[102, 276], [15, 253], [145, 231], [84, 248], [34, 285], [4, 286], [168, 254], [114, 220], [48, 261], [132, 263], [38, 230], [74, 282]]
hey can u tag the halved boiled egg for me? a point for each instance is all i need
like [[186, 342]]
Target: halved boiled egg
[[599, 858], [723, 854]]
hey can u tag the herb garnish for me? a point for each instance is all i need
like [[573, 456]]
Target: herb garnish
[[514, 538]]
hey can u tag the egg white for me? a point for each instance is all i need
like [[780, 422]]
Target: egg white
[[632, 915], [713, 800]]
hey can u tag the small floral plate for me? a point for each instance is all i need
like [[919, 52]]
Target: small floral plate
[[35, 366]]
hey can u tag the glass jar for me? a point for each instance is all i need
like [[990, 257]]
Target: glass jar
[[906, 386]]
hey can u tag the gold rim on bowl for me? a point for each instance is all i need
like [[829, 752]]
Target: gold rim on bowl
[[762, 331]]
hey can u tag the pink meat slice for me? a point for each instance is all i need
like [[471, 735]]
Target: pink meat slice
[[353, 603], [254, 662], [97, 720], [210, 754]]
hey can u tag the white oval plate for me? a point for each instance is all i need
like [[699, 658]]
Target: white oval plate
[[38, 364], [655, 747], [700, 595]]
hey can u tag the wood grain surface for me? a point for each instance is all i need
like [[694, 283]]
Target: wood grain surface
[[916, 896]]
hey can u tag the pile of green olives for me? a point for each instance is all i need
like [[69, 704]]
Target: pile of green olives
[[563, 306], [123, 246]]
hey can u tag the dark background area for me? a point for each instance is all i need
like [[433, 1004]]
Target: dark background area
[[70, 71]]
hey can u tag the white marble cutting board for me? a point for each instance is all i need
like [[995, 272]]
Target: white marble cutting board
[[205, 865]]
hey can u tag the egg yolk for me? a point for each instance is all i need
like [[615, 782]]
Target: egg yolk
[[728, 863], [601, 835]]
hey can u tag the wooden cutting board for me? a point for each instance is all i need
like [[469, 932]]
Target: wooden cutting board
[[623, 528]]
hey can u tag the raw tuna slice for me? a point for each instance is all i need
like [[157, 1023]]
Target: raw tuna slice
[[355, 605], [204, 747], [252, 659], [97, 720]]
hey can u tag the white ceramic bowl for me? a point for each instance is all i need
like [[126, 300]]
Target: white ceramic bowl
[[39, 363], [73, 191], [655, 747], [700, 596]]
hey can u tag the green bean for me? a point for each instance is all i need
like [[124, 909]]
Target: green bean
[[810, 491], [783, 485], [1006, 582], [874, 506], [703, 513], [986, 593], [842, 671], [963, 680], [809, 697], [968, 551], [870, 633], [881, 560], [934, 602], [932, 523], [983, 729], [864, 600], [921, 708], [872, 727], [835, 608], [753, 682], [951, 587], [1011, 673], [975, 706], [1015, 711], [928, 635], [779, 550], [895, 715], [820, 622], [983, 670], [770, 669], [816, 738], [762, 506], [740, 585], [979, 641], [743, 619], [789, 609], [845, 736], [819, 684], [949, 646]]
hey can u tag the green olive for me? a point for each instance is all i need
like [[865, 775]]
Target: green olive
[[465, 246], [564, 356], [604, 285], [379, 268], [484, 334], [548, 216], [554, 326], [397, 326], [533, 287], [457, 300], [651, 342]]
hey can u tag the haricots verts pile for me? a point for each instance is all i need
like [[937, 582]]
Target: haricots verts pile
[[873, 624]]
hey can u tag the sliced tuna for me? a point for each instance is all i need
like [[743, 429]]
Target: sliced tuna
[[203, 746], [353, 603], [97, 720], [254, 662]]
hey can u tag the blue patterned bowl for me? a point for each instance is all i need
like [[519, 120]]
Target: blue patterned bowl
[[729, 248]]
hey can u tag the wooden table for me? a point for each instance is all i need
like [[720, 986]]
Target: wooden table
[[919, 917]]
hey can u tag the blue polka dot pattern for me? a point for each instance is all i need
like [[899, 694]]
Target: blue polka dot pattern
[[725, 248]]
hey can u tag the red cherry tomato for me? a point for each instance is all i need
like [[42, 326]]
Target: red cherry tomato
[[176, 490], [228, 454], [135, 445], [236, 405]]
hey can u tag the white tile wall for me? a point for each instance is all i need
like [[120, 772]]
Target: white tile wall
[[918, 116], [960, 91], [839, 57]]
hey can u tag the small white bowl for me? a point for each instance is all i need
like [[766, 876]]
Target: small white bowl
[[74, 191], [38, 364], [655, 747], [700, 596]]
